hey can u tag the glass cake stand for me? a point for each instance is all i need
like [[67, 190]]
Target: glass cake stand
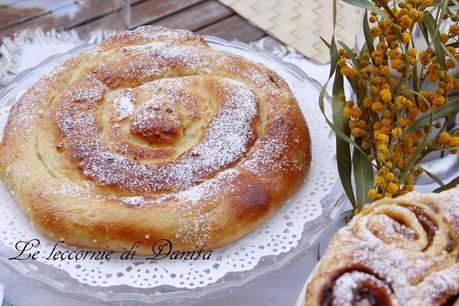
[[61, 282]]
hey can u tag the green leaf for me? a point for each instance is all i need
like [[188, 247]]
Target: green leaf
[[422, 146], [414, 158], [431, 26], [415, 80], [441, 11], [360, 91], [450, 185], [333, 56], [338, 132], [449, 12], [450, 107], [433, 177], [363, 177], [325, 42], [343, 152], [342, 139], [366, 5], [424, 32], [398, 33], [367, 33], [387, 9]]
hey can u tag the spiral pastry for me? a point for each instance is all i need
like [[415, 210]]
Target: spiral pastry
[[154, 135], [402, 251]]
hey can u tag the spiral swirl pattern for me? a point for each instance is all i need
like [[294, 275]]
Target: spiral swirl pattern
[[154, 135], [401, 251]]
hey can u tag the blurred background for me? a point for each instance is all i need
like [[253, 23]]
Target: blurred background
[[83, 16], [296, 23]]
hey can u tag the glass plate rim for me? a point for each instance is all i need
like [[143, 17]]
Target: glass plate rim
[[124, 293]]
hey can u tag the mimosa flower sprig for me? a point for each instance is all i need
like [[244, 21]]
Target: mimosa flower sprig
[[403, 97]]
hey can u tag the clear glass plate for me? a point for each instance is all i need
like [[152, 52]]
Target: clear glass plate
[[61, 282]]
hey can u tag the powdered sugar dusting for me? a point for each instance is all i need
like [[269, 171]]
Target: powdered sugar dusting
[[224, 141], [70, 190], [450, 210], [193, 219], [157, 34], [122, 105], [134, 201], [165, 52], [440, 284], [349, 284], [197, 193], [393, 270], [30, 104], [271, 149], [227, 136]]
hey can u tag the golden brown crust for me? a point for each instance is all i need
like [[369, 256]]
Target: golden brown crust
[[154, 135], [402, 251]]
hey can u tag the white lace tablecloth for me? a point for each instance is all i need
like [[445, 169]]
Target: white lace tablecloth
[[277, 288]]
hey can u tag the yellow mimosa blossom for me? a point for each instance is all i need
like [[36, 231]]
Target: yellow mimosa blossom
[[379, 181], [372, 194], [396, 132], [347, 112], [424, 57], [392, 188], [444, 37], [357, 113], [377, 107], [454, 141], [376, 31], [386, 122], [406, 37], [383, 150], [367, 102], [390, 177], [381, 138], [412, 56], [454, 29], [385, 70], [397, 64], [444, 138], [357, 132], [406, 21], [396, 81], [386, 95]]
